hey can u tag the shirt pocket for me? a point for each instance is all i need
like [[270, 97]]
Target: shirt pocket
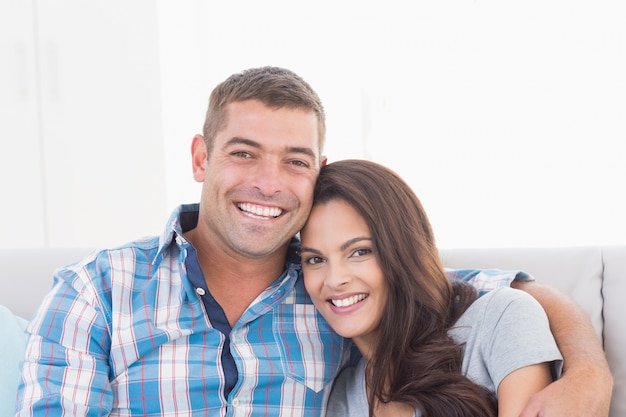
[[311, 352]]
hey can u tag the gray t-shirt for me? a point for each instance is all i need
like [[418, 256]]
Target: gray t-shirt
[[503, 331]]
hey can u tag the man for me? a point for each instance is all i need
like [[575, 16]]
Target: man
[[211, 318]]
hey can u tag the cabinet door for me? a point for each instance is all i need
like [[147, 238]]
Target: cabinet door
[[22, 208], [100, 116]]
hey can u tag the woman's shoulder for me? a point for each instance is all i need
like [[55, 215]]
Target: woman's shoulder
[[502, 331], [490, 309], [504, 298]]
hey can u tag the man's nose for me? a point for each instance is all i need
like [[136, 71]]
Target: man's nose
[[269, 177]]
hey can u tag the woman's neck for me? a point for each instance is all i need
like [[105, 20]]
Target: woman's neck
[[393, 409], [389, 409]]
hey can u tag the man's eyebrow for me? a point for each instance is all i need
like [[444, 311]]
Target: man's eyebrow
[[305, 151], [236, 140], [242, 141], [290, 149]]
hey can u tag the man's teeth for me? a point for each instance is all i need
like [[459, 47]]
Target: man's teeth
[[345, 302], [260, 211]]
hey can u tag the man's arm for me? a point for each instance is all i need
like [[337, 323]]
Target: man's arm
[[585, 388], [66, 369]]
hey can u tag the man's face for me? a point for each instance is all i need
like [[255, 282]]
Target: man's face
[[259, 178]]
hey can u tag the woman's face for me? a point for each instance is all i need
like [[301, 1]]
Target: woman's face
[[341, 272]]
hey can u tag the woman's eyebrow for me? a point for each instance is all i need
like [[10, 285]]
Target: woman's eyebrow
[[344, 246], [354, 240], [312, 250]]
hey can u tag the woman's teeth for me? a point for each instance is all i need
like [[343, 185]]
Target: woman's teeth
[[345, 302]]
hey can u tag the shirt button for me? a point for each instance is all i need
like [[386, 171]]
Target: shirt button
[[180, 240], [200, 291], [236, 402]]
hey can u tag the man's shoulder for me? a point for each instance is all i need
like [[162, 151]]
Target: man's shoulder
[[100, 262]]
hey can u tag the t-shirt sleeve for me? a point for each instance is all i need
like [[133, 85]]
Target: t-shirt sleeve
[[505, 331], [348, 397]]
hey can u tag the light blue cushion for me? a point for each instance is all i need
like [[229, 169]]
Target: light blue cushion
[[12, 345]]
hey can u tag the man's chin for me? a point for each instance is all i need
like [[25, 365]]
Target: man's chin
[[263, 249]]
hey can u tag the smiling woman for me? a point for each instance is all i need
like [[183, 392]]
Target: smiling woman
[[368, 269]]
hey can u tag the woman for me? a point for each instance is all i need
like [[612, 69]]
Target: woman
[[429, 347]]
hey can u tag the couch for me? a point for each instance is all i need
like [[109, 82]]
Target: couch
[[593, 276]]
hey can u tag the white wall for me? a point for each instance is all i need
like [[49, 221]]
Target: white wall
[[505, 117]]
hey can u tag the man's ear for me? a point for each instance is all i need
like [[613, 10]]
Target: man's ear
[[324, 161], [198, 157]]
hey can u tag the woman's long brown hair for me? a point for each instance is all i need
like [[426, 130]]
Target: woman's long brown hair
[[415, 361]]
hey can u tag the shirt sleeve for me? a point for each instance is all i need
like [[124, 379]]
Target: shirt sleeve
[[486, 280], [66, 371]]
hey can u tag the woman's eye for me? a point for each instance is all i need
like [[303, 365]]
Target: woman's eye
[[314, 260], [361, 252]]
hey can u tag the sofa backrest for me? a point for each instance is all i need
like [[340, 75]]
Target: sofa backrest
[[27, 275], [613, 291]]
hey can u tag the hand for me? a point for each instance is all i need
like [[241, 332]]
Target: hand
[[579, 393]]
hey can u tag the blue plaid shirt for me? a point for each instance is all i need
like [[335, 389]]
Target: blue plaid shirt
[[133, 331]]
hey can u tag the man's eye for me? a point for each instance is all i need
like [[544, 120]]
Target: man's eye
[[242, 154], [299, 163]]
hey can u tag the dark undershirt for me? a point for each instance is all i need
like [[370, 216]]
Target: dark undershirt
[[217, 317]]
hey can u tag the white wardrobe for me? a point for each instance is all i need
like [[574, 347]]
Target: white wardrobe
[[81, 147]]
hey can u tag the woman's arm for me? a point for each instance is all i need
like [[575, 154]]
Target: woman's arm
[[517, 387], [585, 388]]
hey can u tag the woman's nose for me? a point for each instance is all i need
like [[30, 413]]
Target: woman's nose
[[338, 276]]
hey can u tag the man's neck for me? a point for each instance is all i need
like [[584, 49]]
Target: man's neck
[[235, 280]]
